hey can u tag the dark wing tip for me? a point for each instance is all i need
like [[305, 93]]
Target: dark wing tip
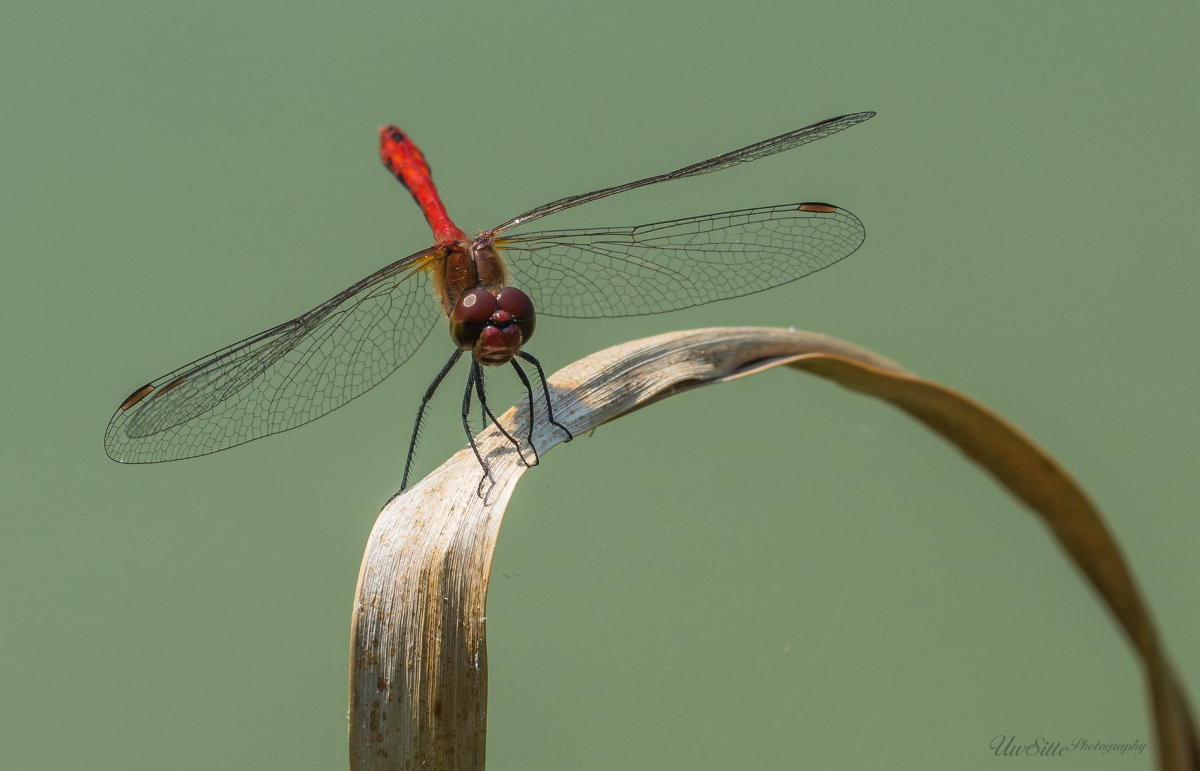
[[136, 396], [858, 117]]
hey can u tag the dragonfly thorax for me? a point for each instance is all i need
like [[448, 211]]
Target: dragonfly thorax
[[459, 266]]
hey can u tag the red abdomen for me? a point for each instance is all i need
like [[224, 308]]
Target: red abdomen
[[404, 159]]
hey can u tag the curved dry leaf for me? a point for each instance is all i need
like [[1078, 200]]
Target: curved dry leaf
[[1037, 479], [418, 680]]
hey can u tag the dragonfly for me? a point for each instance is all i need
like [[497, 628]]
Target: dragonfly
[[487, 288]]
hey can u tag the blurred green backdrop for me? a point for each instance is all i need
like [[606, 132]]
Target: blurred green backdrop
[[770, 574]]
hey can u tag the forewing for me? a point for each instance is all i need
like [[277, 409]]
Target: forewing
[[766, 147], [281, 378], [665, 266]]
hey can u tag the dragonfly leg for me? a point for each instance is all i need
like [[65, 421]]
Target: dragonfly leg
[[466, 421], [487, 411], [529, 390], [412, 445], [545, 392]]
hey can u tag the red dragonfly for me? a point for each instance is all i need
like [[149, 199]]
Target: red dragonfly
[[304, 368]]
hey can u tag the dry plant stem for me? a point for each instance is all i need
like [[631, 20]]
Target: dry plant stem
[[418, 680], [1037, 479]]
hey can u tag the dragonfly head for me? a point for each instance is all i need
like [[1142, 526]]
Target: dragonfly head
[[492, 326]]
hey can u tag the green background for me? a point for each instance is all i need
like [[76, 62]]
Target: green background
[[770, 574]]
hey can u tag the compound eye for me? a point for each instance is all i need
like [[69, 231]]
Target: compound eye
[[471, 314], [520, 306]]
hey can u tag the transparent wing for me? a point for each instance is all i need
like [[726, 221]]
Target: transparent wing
[[788, 141], [284, 377], [665, 266]]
